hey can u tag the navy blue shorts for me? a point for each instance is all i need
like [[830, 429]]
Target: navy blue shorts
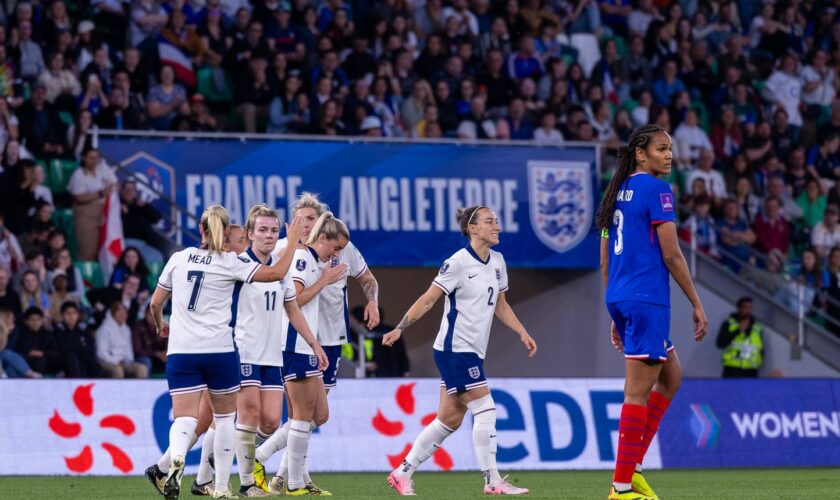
[[218, 372], [267, 378], [643, 328], [331, 373], [300, 366], [460, 371]]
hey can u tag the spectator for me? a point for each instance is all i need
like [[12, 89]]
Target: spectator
[[28, 53], [131, 262], [77, 344], [166, 100], [823, 160], [668, 85], [139, 220], [547, 132], [689, 140], [784, 89], [812, 202], [518, 124], [215, 38], [40, 125], [524, 62], [772, 230], [37, 344], [10, 252], [61, 262], [114, 347], [184, 38], [826, 234], [790, 208], [742, 342], [12, 364], [818, 79], [119, 114], [77, 134], [253, 93], [61, 84], [414, 107], [736, 237], [60, 293], [328, 120], [748, 203], [149, 347], [284, 116], [101, 67], [465, 20], [715, 183], [813, 279], [701, 226], [147, 19], [477, 125], [89, 186], [9, 299]]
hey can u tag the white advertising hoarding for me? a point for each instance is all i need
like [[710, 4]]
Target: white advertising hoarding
[[106, 427]]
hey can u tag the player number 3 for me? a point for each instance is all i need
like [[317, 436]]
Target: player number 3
[[618, 219]]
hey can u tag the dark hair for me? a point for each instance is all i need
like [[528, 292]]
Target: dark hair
[[626, 163], [466, 216], [33, 311], [142, 268], [70, 305], [744, 300]]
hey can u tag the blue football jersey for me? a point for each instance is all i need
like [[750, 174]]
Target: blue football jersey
[[636, 269]]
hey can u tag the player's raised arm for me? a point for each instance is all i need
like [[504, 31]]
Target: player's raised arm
[[279, 270]]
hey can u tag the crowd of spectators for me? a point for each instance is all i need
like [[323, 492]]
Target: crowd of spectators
[[747, 88]]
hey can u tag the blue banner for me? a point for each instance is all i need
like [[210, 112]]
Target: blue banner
[[752, 423], [398, 200]]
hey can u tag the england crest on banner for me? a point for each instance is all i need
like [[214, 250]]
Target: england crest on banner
[[560, 198]]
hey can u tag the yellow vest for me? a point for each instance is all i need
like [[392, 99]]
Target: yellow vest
[[744, 352], [348, 350]]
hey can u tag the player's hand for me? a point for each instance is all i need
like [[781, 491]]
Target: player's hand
[[371, 315], [615, 338], [163, 331], [293, 230], [530, 344], [701, 324], [323, 362], [391, 337], [334, 274]]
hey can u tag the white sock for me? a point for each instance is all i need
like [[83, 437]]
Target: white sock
[[245, 444], [205, 473], [180, 434], [299, 432], [283, 471], [306, 477], [261, 437], [164, 462], [223, 446], [484, 437], [426, 444], [639, 468], [273, 444]]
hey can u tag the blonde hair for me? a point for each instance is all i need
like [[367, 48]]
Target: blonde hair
[[309, 200], [259, 210], [330, 227], [214, 220]]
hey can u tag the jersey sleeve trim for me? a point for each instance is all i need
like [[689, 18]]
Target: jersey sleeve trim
[[252, 273], [505, 289], [290, 299], [445, 290], [168, 288], [359, 275], [299, 280], [658, 222]]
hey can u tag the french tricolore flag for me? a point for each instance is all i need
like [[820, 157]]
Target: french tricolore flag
[[172, 56]]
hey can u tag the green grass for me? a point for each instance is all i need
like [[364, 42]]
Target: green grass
[[740, 484]]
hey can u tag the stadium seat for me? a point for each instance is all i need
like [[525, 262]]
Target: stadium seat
[[59, 173], [207, 87], [155, 268], [91, 274], [588, 51]]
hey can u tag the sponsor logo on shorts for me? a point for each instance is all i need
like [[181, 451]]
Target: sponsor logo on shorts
[[246, 370], [474, 372]]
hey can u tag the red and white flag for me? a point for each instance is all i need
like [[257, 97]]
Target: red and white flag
[[111, 242], [172, 56]]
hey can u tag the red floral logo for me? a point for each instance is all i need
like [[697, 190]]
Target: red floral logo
[[83, 462], [393, 428]]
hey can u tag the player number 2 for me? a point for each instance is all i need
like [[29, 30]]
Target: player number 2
[[270, 300], [490, 298], [618, 219], [198, 278]]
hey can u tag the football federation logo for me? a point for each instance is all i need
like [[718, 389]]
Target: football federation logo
[[667, 201], [560, 194], [444, 268], [498, 275], [300, 265], [313, 361], [246, 370], [474, 372]]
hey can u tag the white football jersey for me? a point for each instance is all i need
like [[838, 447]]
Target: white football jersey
[[333, 312], [261, 318], [306, 269], [202, 285], [472, 287]]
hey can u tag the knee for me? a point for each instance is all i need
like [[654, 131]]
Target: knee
[[249, 410], [483, 410], [452, 420], [321, 418], [269, 426]]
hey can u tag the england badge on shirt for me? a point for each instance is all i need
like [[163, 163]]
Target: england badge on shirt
[[560, 198]]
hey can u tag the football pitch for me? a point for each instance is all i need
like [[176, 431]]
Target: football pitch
[[740, 484]]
